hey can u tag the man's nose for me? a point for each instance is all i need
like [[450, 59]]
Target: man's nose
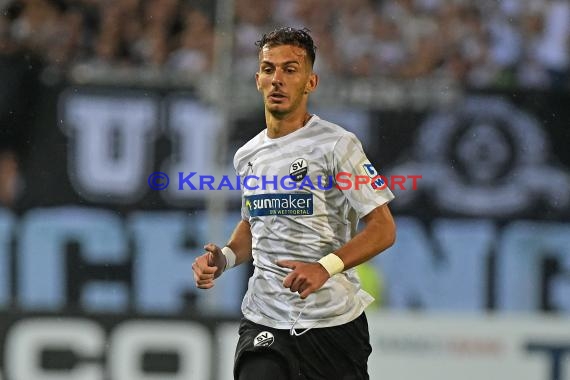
[[277, 78]]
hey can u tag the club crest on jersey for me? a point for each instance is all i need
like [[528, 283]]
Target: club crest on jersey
[[298, 169], [378, 183], [263, 339]]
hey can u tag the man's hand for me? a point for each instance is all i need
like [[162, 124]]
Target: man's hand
[[209, 266], [305, 278]]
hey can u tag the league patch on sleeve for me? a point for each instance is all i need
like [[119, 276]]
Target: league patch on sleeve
[[376, 180]]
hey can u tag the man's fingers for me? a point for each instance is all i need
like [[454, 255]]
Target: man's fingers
[[288, 280], [302, 279], [287, 264], [209, 270], [298, 283], [208, 285], [295, 282], [210, 247], [204, 276], [205, 269], [305, 293], [204, 281], [213, 254]]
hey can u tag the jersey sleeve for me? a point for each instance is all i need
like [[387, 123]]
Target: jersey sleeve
[[238, 167], [356, 177], [244, 209]]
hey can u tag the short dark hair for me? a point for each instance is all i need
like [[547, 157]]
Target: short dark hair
[[290, 36]]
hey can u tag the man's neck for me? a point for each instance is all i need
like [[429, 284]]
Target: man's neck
[[279, 127]]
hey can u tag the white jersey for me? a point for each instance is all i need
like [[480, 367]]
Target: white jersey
[[296, 214]]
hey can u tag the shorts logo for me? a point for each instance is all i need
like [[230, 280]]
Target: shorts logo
[[263, 339], [279, 204], [298, 169], [378, 183]]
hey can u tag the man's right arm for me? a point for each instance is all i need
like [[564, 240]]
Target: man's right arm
[[213, 262], [240, 242]]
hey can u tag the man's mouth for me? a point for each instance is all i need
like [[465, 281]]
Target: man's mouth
[[276, 96]]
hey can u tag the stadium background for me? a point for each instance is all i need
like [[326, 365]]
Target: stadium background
[[95, 95]]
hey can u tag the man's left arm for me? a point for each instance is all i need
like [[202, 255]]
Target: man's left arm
[[378, 234]]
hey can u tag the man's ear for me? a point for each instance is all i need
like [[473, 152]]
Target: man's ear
[[257, 82], [312, 83]]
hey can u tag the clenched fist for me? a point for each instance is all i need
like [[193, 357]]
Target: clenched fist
[[209, 266]]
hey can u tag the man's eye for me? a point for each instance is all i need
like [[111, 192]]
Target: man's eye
[[267, 70]]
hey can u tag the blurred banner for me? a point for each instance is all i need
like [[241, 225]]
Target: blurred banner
[[405, 346], [483, 203], [483, 213], [457, 346]]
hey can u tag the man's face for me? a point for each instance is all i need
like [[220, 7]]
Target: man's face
[[285, 78]]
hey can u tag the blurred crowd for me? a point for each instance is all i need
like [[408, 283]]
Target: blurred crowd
[[481, 43]]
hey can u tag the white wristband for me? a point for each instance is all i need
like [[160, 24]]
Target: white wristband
[[230, 257], [332, 263]]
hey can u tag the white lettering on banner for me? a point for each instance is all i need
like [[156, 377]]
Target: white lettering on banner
[[160, 279], [512, 176], [449, 265], [404, 346], [524, 246], [446, 269], [162, 272], [123, 351], [130, 340], [195, 131], [110, 144], [27, 339], [42, 275], [227, 338], [155, 279]]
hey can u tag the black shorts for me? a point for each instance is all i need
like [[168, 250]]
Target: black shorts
[[339, 352]]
